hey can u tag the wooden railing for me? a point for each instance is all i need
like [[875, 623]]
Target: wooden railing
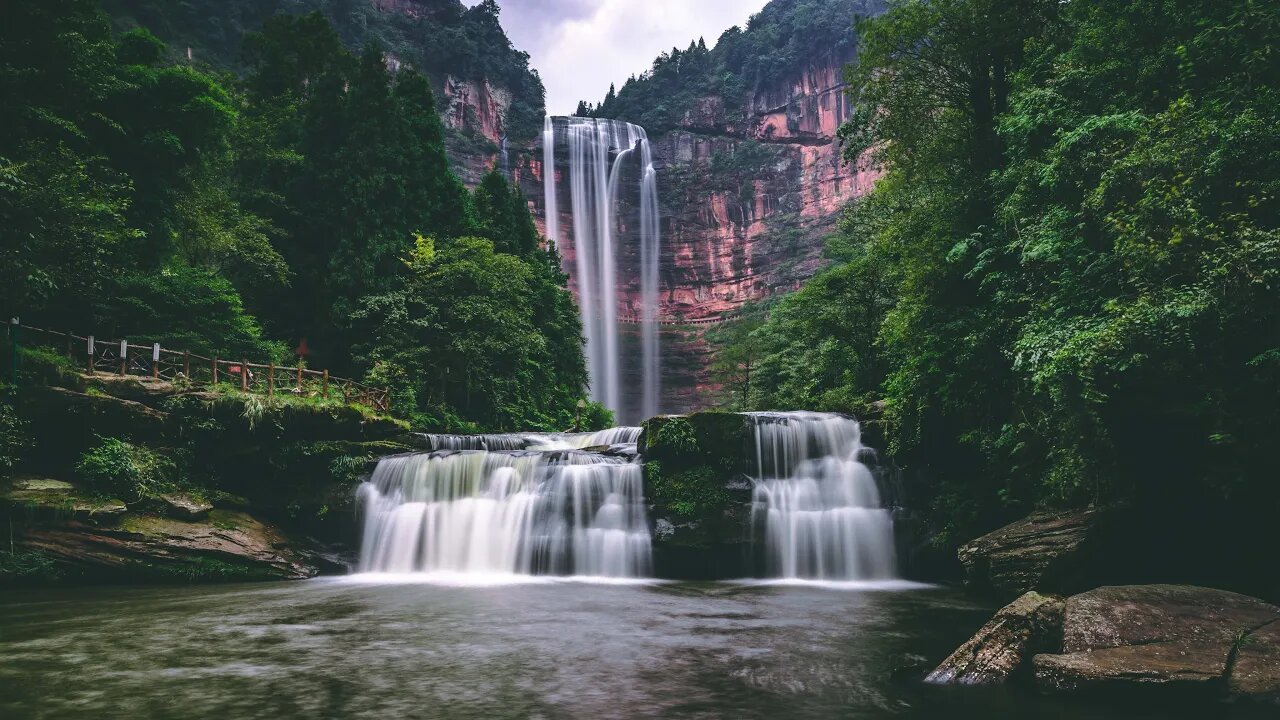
[[121, 357]]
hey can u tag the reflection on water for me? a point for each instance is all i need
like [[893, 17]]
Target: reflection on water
[[344, 649]]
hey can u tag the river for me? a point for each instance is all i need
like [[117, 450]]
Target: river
[[344, 648]]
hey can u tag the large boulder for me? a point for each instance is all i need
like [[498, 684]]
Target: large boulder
[[1256, 670], [1173, 636], [1058, 552], [1029, 625]]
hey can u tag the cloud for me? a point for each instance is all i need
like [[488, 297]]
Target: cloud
[[579, 47]]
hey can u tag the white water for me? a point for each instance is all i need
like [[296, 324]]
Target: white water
[[529, 505], [816, 503], [602, 156]]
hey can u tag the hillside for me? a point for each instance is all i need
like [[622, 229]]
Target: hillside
[[484, 86]]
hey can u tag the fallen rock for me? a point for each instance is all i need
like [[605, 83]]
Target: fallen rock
[[1048, 551], [1029, 625], [1126, 637]]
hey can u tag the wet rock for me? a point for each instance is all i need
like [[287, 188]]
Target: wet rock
[[1139, 636], [1028, 625], [226, 545], [1051, 552]]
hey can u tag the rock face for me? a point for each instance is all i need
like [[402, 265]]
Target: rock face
[[1183, 641], [1175, 635], [1054, 552], [1028, 625]]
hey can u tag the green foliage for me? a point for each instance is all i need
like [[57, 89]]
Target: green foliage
[[772, 48], [694, 493], [595, 416], [1064, 287], [122, 469], [154, 200], [677, 436]]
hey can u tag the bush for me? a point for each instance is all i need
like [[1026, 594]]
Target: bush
[[125, 470]]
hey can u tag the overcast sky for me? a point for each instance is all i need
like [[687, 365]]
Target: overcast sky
[[580, 46]]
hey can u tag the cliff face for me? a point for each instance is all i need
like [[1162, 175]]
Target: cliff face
[[750, 186], [746, 204]]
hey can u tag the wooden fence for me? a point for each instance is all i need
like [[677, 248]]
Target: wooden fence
[[121, 357]]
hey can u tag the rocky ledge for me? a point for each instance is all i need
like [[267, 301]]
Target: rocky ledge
[[72, 534], [1181, 640]]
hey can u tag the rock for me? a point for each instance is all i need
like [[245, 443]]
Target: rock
[[48, 499], [183, 505], [1255, 674], [1126, 637], [1028, 625], [227, 545], [1047, 551]]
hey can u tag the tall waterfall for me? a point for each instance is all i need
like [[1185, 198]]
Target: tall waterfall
[[815, 502], [519, 504], [604, 161]]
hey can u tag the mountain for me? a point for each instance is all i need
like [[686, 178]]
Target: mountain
[[486, 91]]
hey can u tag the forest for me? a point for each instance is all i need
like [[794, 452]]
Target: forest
[[1063, 292], [305, 202]]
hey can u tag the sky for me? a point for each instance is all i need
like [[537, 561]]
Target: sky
[[579, 47]]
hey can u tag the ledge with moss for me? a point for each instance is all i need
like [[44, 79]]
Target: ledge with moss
[[131, 479]]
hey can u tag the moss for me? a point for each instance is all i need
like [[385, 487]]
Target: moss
[[695, 493]]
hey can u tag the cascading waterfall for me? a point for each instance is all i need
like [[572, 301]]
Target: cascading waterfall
[[517, 504], [602, 156], [815, 503]]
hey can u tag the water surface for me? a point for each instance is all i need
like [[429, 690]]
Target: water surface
[[339, 648]]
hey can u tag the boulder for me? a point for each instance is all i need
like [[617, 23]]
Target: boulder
[[1175, 636], [1057, 552], [1029, 625]]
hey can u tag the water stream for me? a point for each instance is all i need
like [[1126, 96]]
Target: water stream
[[517, 504], [611, 184]]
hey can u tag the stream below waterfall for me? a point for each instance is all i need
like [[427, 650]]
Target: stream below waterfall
[[343, 648]]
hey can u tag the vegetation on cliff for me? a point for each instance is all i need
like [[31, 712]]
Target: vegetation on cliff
[[439, 38], [776, 45], [145, 199], [1064, 289]]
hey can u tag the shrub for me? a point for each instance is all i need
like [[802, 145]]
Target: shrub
[[126, 470], [12, 432]]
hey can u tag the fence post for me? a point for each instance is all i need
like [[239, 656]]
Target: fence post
[[299, 377], [124, 357], [155, 361], [93, 351], [325, 391], [214, 381], [346, 392], [186, 364], [15, 331], [271, 378], [70, 354], [386, 399], [244, 375]]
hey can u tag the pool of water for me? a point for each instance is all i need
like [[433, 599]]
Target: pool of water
[[359, 648]]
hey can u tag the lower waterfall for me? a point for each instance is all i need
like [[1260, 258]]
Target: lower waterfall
[[519, 504], [815, 502]]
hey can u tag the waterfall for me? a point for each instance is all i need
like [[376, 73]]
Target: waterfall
[[815, 503], [515, 504], [603, 159]]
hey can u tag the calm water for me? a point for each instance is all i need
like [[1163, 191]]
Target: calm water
[[343, 649]]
